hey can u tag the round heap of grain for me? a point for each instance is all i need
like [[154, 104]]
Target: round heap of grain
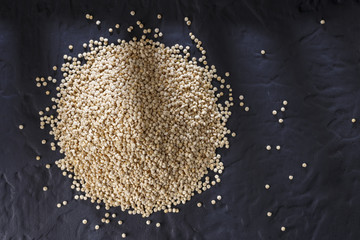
[[139, 125]]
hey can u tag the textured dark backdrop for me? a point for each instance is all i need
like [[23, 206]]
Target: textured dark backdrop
[[315, 67]]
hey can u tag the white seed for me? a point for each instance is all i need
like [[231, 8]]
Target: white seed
[[262, 52]]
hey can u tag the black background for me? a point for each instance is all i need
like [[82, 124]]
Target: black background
[[315, 67]]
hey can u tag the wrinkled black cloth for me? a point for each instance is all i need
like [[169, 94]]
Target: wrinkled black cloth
[[314, 67]]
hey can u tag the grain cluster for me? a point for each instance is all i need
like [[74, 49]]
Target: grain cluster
[[139, 124]]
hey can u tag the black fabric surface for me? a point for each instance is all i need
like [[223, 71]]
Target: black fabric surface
[[314, 67]]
